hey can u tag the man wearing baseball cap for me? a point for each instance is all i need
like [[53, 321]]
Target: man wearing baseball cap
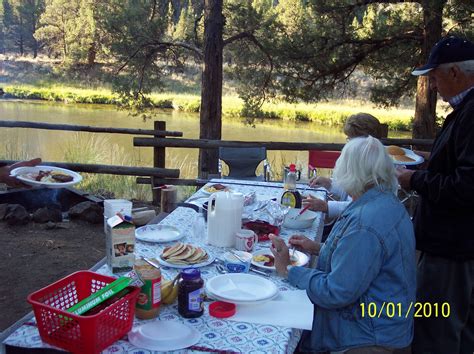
[[444, 219]]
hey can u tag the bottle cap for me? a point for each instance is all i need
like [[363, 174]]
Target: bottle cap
[[292, 167], [221, 309], [190, 273]]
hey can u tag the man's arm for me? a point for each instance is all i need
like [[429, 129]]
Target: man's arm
[[457, 188]]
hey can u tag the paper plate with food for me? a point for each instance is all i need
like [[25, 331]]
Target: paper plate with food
[[402, 156], [216, 187], [46, 176], [264, 259], [184, 255]]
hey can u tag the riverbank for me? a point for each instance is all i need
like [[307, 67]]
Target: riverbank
[[46, 79], [331, 113]]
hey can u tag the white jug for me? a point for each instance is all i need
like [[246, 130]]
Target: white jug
[[224, 218]]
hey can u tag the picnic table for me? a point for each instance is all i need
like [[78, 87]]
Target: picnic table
[[217, 335]]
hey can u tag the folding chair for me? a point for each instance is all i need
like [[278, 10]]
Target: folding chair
[[243, 162], [321, 159]]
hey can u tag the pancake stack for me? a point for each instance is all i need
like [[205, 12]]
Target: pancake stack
[[398, 154], [184, 254]]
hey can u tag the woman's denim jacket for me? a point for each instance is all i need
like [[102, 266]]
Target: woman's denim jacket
[[367, 263]]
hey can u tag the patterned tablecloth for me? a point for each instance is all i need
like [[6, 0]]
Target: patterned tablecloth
[[217, 335]]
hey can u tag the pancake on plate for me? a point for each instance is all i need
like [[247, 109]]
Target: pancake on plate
[[402, 158], [395, 150], [184, 254], [217, 187]]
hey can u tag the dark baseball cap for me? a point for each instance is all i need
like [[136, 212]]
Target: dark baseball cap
[[447, 50]]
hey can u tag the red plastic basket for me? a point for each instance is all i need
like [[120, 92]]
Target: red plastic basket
[[81, 334]]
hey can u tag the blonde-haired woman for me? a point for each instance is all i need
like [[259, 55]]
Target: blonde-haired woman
[[356, 125], [367, 260]]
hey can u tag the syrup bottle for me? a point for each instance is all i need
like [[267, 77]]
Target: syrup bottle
[[291, 197]]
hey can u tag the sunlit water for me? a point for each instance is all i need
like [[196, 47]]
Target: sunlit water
[[20, 143]]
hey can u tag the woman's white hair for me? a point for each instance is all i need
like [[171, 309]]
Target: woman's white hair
[[364, 164]]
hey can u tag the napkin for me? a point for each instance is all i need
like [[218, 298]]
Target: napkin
[[294, 309]]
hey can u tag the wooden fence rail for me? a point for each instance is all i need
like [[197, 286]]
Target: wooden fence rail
[[110, 169], [158, 170], [272, 145], [159, 175], [86, 128]]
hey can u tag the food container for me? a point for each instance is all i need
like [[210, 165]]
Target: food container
[[234, 265], [76, 333], [295, 221], [114, 206]]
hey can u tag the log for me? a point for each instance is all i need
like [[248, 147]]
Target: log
[[159, 160], [214, 144], [86, 128], [168, 199], [110, 169], [173, 181]]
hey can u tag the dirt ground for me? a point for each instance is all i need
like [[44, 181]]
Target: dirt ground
[[33, 257]]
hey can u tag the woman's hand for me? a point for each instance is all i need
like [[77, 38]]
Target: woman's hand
[[302, 243], [12, 181], [281, 253], [320, 182], [315, 204]]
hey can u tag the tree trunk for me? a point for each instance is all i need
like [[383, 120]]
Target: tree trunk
[[425, 109], [35, 48], [211, 90], [91, 55]]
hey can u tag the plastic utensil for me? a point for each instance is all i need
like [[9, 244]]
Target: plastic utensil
[[301, 212]]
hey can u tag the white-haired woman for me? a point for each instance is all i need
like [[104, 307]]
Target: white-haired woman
[[367, 262]]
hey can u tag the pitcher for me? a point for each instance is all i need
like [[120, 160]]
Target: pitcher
[[224, 218]]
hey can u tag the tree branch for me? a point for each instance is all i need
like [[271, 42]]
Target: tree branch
[[184, 45], [153, 12], [251, 38]]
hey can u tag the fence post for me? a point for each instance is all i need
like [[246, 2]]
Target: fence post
[[159, 158]]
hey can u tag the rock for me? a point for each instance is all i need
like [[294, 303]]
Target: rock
[[48, 213], [17, 215], [141, 218], [3, 211], [52, 225], [87, 211]]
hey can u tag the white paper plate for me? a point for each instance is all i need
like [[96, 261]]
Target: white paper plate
[[209, 260], [409, 153], [241, 287], [242, 302], [301, 258], [164, 336], [158, 233], [18, 172]]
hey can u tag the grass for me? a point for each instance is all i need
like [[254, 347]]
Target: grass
[[92, 149]]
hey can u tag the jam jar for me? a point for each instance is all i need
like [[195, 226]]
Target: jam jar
[[190, 293]]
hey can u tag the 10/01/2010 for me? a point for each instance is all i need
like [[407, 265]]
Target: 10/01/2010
[[417, 309]]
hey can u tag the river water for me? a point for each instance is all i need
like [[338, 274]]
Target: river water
[[83, 147]]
